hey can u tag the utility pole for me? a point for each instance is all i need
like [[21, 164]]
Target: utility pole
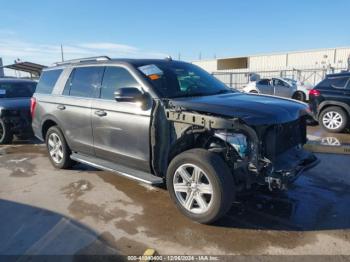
[[179, 56], [62, 57]]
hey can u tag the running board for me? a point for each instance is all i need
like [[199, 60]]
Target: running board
[[118, 169]]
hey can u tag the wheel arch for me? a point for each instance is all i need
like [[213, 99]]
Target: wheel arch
[[299, 91], [48, 122], [326, 104]]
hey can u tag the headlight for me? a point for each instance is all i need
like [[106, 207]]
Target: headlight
[[237, 140]]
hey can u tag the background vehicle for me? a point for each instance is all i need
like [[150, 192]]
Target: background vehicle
[[15, 116], [284, 87], [330, 102], [163, 120]]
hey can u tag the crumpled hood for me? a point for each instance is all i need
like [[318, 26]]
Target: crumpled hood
[[14, 104], [252, 109]]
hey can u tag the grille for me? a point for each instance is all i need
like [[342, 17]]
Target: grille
[[280, 138]]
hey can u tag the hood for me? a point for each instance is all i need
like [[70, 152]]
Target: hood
[[14, 103], [252, 109]]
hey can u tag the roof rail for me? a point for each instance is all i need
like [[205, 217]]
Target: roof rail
[[79, 60]]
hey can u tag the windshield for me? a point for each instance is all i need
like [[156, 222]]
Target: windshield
[[177, 79], [17, 89]]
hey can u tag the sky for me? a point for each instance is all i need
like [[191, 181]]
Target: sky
[[34, 30]]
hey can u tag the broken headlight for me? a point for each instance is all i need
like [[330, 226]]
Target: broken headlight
[[237, 140]]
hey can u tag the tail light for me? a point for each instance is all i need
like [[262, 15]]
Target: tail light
[[314, 92], [32, 106]]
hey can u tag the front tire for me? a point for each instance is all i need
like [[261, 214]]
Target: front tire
[[201, 185], [333, 119], [6, 135], [58, 149]]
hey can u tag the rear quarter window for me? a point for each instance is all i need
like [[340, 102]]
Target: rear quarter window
[[83, 81], [47, 81], [333, 82]]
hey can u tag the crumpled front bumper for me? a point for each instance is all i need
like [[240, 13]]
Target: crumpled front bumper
[[289, 166]]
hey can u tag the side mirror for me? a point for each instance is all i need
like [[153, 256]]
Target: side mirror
[[128, 94]]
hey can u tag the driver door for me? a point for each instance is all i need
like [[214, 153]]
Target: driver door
[[264, 86], [121, 130], [281, 88]]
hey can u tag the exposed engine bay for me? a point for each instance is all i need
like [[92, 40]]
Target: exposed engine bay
[[271, 155]]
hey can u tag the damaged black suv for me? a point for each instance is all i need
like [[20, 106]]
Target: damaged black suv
[[159, 121]]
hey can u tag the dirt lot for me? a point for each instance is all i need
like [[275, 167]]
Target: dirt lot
[[87, 211]]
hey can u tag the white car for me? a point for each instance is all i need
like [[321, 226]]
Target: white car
[[284, 87]]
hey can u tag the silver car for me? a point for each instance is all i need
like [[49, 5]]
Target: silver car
[[283, 87]]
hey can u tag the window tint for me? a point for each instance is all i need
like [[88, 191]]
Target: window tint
[[83, 81], [17, 90], [264, 82], [115, 78], [333, 82], [278, 82], [47, 81]]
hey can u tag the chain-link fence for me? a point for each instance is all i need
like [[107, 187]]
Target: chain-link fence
[[308, 76]]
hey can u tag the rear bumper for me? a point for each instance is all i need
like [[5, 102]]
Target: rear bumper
[[19, 125]]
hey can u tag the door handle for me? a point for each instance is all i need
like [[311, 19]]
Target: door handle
[[100, 113], [61, 107]]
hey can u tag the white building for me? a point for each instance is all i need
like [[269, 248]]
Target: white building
[[308, 65], [308, 59]]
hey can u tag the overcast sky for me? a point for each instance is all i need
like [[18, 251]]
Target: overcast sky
[[34, 30]]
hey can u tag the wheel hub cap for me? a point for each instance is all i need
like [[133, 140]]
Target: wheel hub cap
[[55, 148], [332, 120], [193, 188]]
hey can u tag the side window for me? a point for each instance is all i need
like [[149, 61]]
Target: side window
[[264, 82], [278, 82], [115, 78], [83, 81], [47, 81], [334, 82], [282, 83], [339, 82]]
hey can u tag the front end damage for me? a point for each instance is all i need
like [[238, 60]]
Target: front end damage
[[271, 155]]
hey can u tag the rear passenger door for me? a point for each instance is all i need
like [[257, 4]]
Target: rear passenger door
[[121, 130], [74, 107]]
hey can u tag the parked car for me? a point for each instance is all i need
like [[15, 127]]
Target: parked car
[[15, 116], [284, 87], [159, 121], [330, 102]]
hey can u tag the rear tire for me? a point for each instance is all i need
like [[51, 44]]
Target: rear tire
[[300, 96], [58, 149], [201, 185], [6, 135], [333, 119]]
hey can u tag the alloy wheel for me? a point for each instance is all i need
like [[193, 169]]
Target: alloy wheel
[[193, 188], [55, 148], [332, 120]]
